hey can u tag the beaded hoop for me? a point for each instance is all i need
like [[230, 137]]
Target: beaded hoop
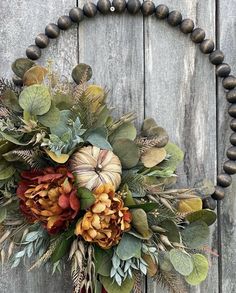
[[174, 18]]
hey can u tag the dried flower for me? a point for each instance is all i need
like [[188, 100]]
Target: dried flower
[[106, 220], [48, 196]]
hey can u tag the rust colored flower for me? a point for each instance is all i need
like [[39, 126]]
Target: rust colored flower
[[106, 219], [48, 196]]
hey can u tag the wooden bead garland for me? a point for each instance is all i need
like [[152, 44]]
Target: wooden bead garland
[[186, 26]]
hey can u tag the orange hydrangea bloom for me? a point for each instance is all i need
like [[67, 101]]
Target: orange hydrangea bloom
[[106, 219], [48, 196]]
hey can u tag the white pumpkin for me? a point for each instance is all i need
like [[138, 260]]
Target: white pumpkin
[[93, 167]]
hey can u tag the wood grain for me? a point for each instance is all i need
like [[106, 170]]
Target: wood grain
[[20, 22], [180, 92], [227, 43]]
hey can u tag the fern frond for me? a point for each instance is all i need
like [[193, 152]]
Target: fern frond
[[135, 182], [33, 157], [170, 281]]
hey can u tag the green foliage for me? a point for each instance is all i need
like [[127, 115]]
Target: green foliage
[[102, 261], [125, 130], [35, 100], [135, 182], [140, 223], [172, 231], [127, 151], [98, 138], [181, 261], [86, 198], [146, 207], [3, 214], [51, 118], [196, 234], [128, 247], [21, 65], [207, 216], [200, 270], [113, 287]]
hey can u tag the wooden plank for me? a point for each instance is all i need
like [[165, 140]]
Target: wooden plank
[[113, 46], [180, 93], [227, 42], [20, 22]]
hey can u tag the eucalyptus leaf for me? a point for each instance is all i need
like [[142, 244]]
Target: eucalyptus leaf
[[196, 234], [126, 130], [181, 261], [10, 100], [35, 99], [102, 260], [112, 287], [172, 231], [128, 247], [207, 216], [127, 151], [98, 138], [200, 270], [86, 198], [7, 173], [21, 65], [205, 187], [63, 124], [51, 118], [140, 223]]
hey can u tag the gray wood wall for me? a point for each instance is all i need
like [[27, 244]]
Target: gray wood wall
[[156, 71]]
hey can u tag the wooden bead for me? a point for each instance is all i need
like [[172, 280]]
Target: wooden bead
[[233, 124], [216, 57], [52, 30], [64, 22], [219, 193], [230, 167], [120, 5], [174, 18], [133, 6], [232, 139], [232, 110], [90, 9], [76, 14], [223, 70], [231, 96], [231, 153], [209, 203], [224, 180], [198, 35], [104, 6], [187, 26], [33, 52], [229, 82], [148, 8], [207, 46], [162, 11], [17, 80], [42, 41]]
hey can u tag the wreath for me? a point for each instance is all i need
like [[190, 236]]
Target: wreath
[[77, 183]]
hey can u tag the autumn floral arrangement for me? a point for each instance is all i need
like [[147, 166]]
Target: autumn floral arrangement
[[77, 184]]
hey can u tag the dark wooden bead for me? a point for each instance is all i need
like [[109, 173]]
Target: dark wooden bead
[[52, 30], [119, 5], [148, 8], [209, 203], [219, 193], [17, 80], [174, 18], [230, 167], [223, 70], [231, 96], [198, 35], [76, 14], [64, 22], [104, 6], [224, 180], [42, 41], [90, 9], [232, 110], [133, 6], [231, 153], [162, 11], [207, 46], [216, 57], [33, 52], [229, 82], [187, 26], [233, 139], [233, 124]]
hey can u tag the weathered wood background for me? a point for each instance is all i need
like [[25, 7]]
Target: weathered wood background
[[156, 71]]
